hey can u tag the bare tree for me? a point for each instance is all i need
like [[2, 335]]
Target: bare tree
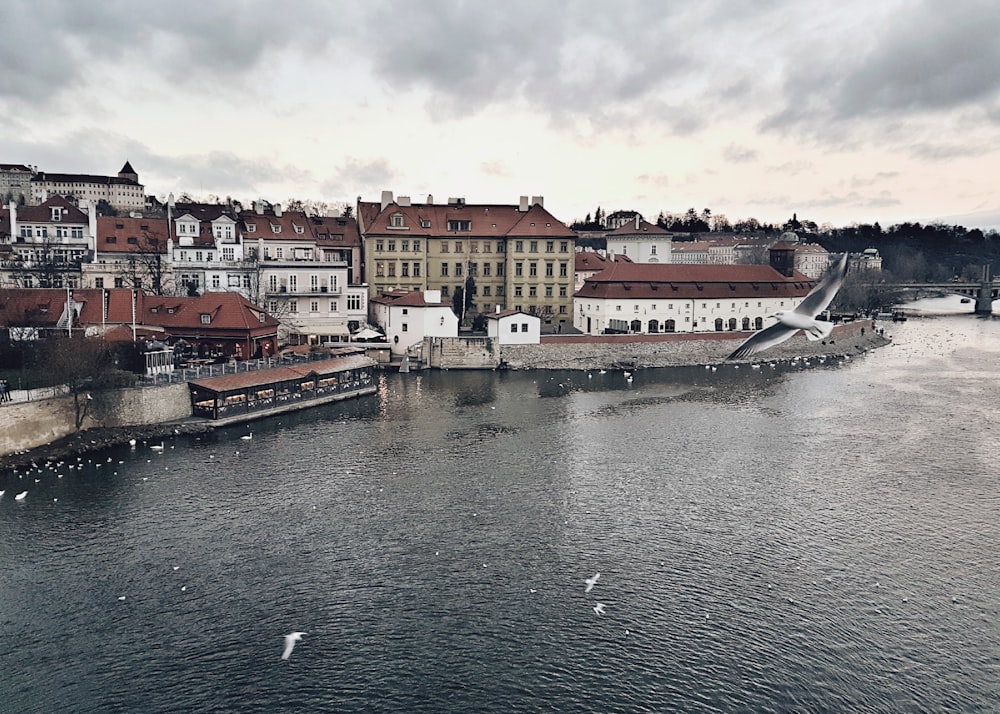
[[81, 363], [146, 266]]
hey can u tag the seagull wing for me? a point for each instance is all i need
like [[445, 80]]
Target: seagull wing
[[822, 295], [289, 645], [763, 339]]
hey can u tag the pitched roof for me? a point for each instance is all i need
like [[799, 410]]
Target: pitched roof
[[486, 220], [228, 311], [131, 235], [678, 280], [230, 382], [268, 226], [589, 260], [630, 229], [42, 213], [335, 230], [508, 313], [414, 298]]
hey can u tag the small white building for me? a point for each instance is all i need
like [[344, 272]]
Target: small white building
[[407, 318], [641, 241], [513, 327]]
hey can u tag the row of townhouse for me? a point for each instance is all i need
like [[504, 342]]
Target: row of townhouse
[[304, 270]]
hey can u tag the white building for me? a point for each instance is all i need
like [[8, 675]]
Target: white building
[[407, 318], [650, 299], [513, 327], [641, 242]]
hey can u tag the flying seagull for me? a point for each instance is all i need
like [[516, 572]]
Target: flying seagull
[[591, 582], [599, 608], [802, 317], [290, 641]]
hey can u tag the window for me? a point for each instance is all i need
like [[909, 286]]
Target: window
[[56, 213], [500, 270], [76, 232], [392, 246], [314, 284], [548, 291], [404, 327], [379, 269], [110, 239], [652, 250], [444, 270], [275, 228], [564, 246], [518, 269], [524, 327], [98, 282], [424, 223], [550, 246], [458, 246], [533, 246], [519, 246], [444, 246], [314, 306], [216, 281], [473, 246], [404, 246], [379, 245], [517, 291], [396, 220], [206, 319], [279, 253], [533, 270], [293, 306], [272, 283], [416, 270], [487, 246], [486, 270], [513, 327], [532, 291], [251, 228], [562, 291], [458, 270], [293, 283], [333, 306], [416, 246], [486, 291], [549, 270], [228, 254], [464, 226], [353, 302], [406, 269], [392, 269]]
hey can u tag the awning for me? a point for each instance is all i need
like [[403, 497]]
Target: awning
[[368, 334]]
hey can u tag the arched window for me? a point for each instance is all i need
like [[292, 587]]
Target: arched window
[[653, 327], [758, 323], [718, 324], [635, 326], [732, 323], [670, 326], [746, 323]]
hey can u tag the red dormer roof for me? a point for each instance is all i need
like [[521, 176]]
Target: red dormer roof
[[43, 212], [645, 227], [589, 260], [290, 225], [485, 220]]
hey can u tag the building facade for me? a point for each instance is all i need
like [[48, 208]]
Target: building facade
[[122, 192], [641, 241]]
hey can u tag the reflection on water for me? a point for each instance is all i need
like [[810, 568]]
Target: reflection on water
[[788, 538]]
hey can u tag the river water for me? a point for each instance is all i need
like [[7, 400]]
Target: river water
[[789, 537]]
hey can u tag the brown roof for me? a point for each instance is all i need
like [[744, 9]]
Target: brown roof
[[228, 311], [266, 223], [663, 280], [335, 230], [230, 382], [414, 298], [487, 220], [591, 260], [43, 212], [44, 306], [629, 229], [130, 235]]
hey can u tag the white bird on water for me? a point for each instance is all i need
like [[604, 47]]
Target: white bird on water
[[21, 496], [599, 608], [591, 582], [247, 437], [157, 447], [290, 640], [803, 317]]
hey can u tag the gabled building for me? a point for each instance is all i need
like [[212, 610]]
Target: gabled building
[[205, 249], [590, 262], [513, 327], [511, 256], [131, 253], [45, 245], [641, 241], [407, 317], [651, 299], [122, 192]]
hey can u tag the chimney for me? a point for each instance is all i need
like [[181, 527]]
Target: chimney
[[258, 207], [637, 221], [540, 200], [498, 308], [430, 199], [523, 206], [277, 210], [386, 199], [403, 201]]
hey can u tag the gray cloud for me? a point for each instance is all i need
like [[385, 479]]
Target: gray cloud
[[368, 176], [739, 154]]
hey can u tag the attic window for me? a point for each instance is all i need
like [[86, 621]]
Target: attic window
[[251, 228], [299, 229], [424, 223], [56, 213], [275, 228], [396, 220], [206, 319], [260, 316], [170, 311]]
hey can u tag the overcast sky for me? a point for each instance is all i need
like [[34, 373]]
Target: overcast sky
[[840, 112]]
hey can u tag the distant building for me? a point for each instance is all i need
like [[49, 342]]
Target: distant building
[[45, 245], [122, 192], [589, 262], [15, 183], [641, 241]]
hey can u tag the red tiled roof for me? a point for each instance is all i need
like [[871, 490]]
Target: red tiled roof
[[413, 298], [228, 311], [265, 224], [147, 235], [665, 280], [335, 230], [487, 220], [629, 229], [591, 260]]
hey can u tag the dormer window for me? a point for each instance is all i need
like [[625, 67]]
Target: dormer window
[[396, 220], [424, 223], [206, 319], [299, 229], [56, 213], [251, 228], [275, 228]]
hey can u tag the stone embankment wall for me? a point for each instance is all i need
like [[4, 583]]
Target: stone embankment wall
[[645, 351], [26, 425]]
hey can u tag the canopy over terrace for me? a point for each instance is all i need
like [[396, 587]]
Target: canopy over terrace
[[233, 397]]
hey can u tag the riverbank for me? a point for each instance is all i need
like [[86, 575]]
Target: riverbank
[[96, 439]]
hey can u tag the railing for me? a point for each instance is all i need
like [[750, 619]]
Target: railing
[[187, 374]]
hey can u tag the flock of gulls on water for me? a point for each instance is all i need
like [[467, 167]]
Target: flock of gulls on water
[[803, 317]]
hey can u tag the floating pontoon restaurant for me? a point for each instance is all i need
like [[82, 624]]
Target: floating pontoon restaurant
[[237, 397]]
